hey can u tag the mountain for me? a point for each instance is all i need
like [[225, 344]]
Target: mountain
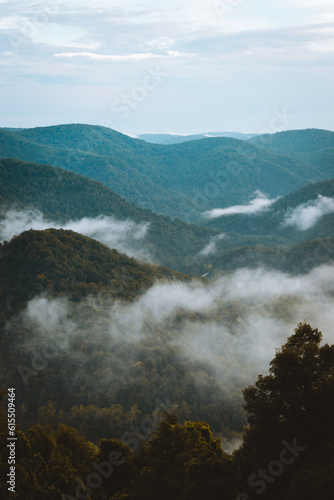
[[180, 180], [296, 142], [63, 196], [299, 228], [85, 330], [299, 216], [296, 259], [176, 139], [57, 263], [311, 146]]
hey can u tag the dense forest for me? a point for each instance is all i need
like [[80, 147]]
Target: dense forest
[[154, 357], [60, 196], [179, 180], [287, 451]]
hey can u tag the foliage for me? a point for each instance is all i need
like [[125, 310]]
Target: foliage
[[58, 261], [294, 404], [180, 180], [290, 411]]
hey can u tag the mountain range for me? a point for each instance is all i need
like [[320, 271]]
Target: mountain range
[[180, 180], [176, 139], [137, 278]]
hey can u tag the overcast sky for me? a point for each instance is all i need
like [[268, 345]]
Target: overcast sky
[[182, 66]]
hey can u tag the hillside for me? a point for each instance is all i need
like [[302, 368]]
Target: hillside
[[296, 259], [62, 196], [294, 142], [180, 180], [83, 326], [301, 205], [57, 262], [311, 146]]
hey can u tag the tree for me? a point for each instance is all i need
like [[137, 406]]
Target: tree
[[184, 462], [291, 407]]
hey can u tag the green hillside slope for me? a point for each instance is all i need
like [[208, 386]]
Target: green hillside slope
[[314, 147], [272, 221], [57, 262], [63, 196], [180, 180]]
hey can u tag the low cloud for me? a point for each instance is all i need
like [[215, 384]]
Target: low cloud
[[308, 214], [125, 236], [258, 204], [222, 334], [211, 247]]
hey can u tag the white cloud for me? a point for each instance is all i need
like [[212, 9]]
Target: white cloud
[[125, 236], [122, 58], [106, 57], [211, 247], [225, 49], [228, 329], [262, 202], [308, 214]]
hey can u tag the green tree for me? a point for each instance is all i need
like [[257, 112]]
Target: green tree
[[293, 405], [184, 462]]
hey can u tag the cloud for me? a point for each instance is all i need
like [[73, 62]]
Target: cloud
[[106, 57], [236, 321], [212, 339], [214, 45], [125, 236], [122, 58], [308, 214], [259, 204], [211, 247]]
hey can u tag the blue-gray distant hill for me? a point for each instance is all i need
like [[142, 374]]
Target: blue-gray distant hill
[[311, 146], [177, 139], [179, 180]]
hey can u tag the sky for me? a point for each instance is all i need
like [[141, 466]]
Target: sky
[[176, 66]]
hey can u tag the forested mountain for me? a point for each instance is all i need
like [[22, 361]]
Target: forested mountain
[[230, 242], [296, 142], [305, 214], [130, 373], [297, 259], [311, 146], [180, 180], [62, 196], [71, 305], [58, 262]]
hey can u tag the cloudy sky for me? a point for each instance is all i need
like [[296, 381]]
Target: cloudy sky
[[182, 66]]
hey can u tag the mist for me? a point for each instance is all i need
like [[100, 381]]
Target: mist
[[219, 336], [125, 236], [308, 214], [211, 247], [257, 205]]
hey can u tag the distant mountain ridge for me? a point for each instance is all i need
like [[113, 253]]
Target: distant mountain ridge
[[180, 180], [176, 138]]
